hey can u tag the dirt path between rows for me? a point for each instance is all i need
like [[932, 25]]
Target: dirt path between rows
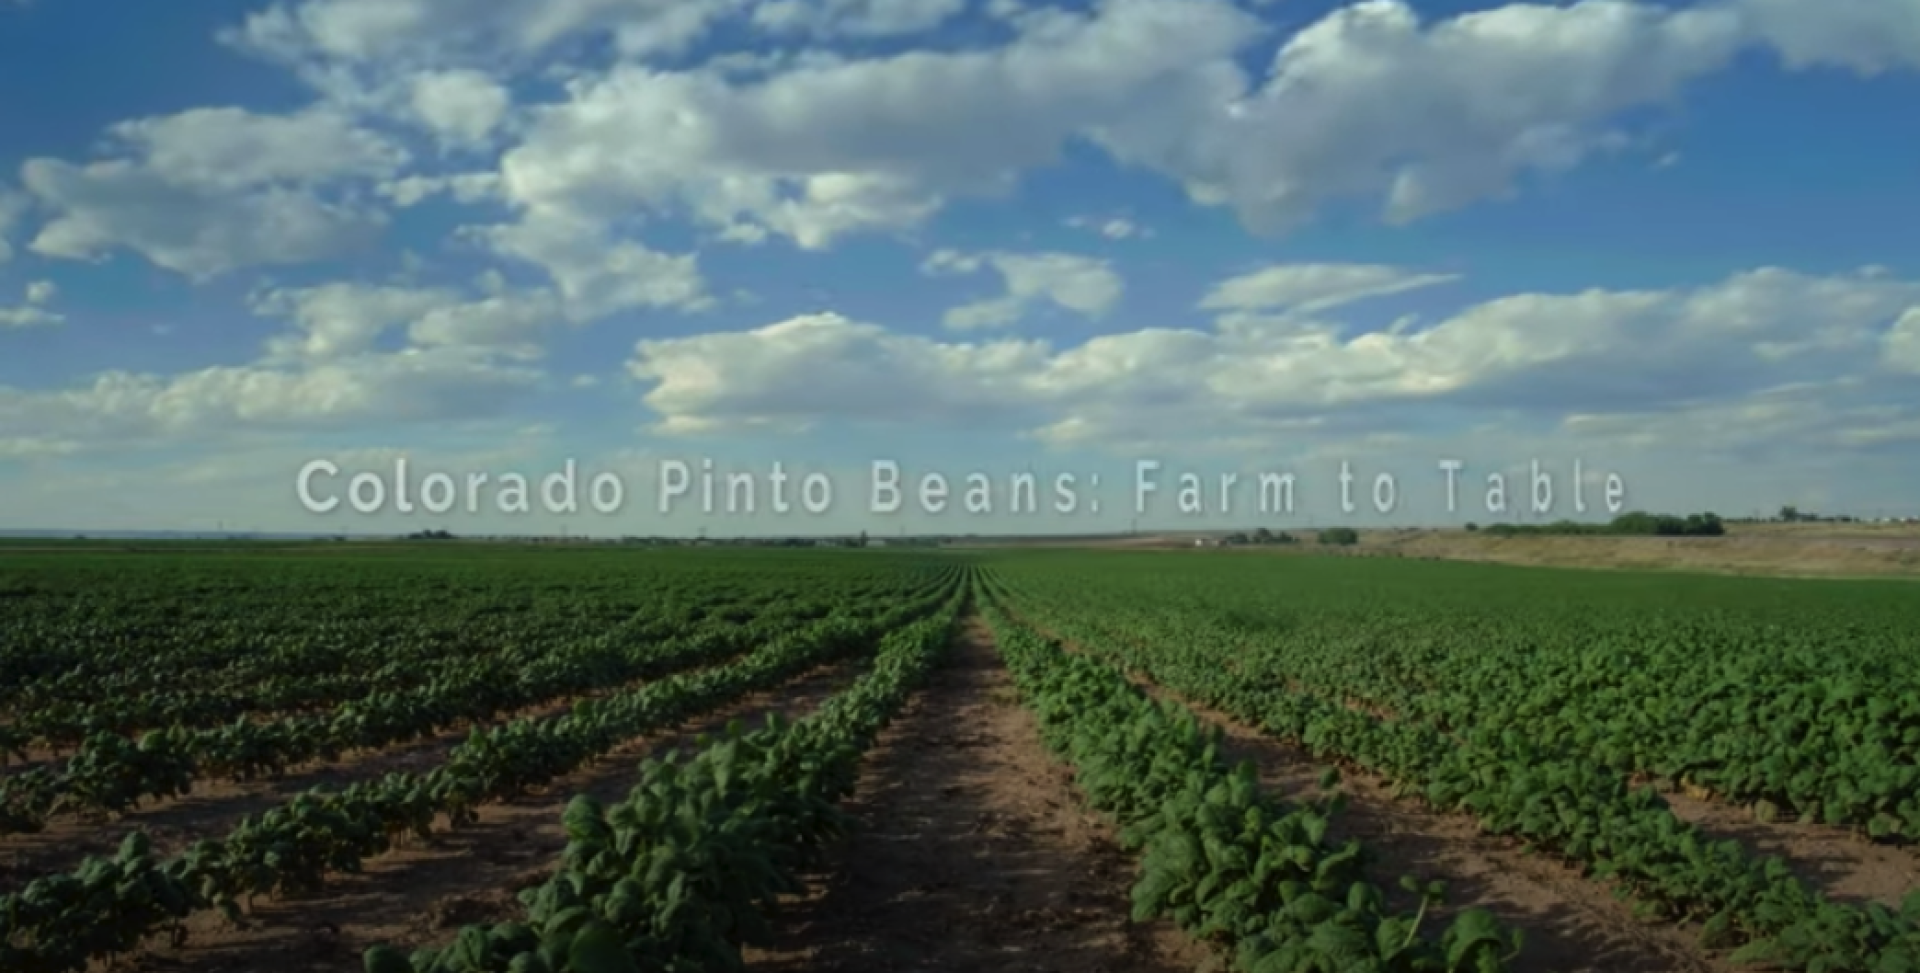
[[1845, 867], [1571, 924], [420, 895], [216, 806], [973, 852], [1833, 861]]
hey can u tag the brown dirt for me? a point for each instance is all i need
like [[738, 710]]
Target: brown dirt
[[1571, 924], [1817, 551], [216, 806], [1846, 868], [420, 895], [974, 853], [1842, 866]]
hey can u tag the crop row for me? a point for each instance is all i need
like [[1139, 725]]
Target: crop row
[[332, 662], [1520, 784], [691, 865], [87, 628], [112, 773], [1815, 717], [1225, 861], [107, 906]]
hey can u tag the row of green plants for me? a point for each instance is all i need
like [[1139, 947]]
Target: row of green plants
[[1228, 863], [1795, 703], [81, 629], [112, 773], [1524, 784], [348, 650], [58, 924], [691, 865], [1831, 748]]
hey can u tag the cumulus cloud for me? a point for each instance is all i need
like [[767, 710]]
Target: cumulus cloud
[[854, 18], [442, 31], [212, 190], [1867, 36], [124, 407], [33, 314], [462, 107], [1369, 102], [1113, 228], [828, 146], [1083, 285], [1901, 346], [597, 273], [1584, 357], [1311, 288], [794, 373], [341, 321]]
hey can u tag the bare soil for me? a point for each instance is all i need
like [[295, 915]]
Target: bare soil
[[1784, 550], [974, 853], [1570, 924], [1845, 867], [421, 895]]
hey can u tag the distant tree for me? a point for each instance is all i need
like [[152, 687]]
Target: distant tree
[[1339, 537], [1790, 513], [1472, 526], [1263, 536]]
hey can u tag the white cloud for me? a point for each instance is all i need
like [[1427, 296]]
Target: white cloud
[[793, 373], [466, 188], [1113, 228], [1368, 102], [1311, 288], [1901, 346], [32, 314], [338, 321], [463, 107], [1868, 36], [855, 18], [1579, 358], [439, 31], [827, 146], [597, 274], [121, 408], [1083, 285], [28, 317], [212, 190], [229, 149]]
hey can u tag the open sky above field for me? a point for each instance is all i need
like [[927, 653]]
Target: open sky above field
[[1672, 241]]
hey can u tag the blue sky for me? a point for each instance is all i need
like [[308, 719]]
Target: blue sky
[[968, 235]]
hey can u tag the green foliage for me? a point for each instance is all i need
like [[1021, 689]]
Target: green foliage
[[1225, 861], [688, 868], [58, 924], [1339, 537], [1633, 524], [1531, 699]]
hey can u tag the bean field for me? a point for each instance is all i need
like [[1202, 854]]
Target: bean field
[[434, 759]]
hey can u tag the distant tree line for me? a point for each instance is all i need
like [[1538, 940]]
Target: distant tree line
[[1261, 536], [1635, 524]]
